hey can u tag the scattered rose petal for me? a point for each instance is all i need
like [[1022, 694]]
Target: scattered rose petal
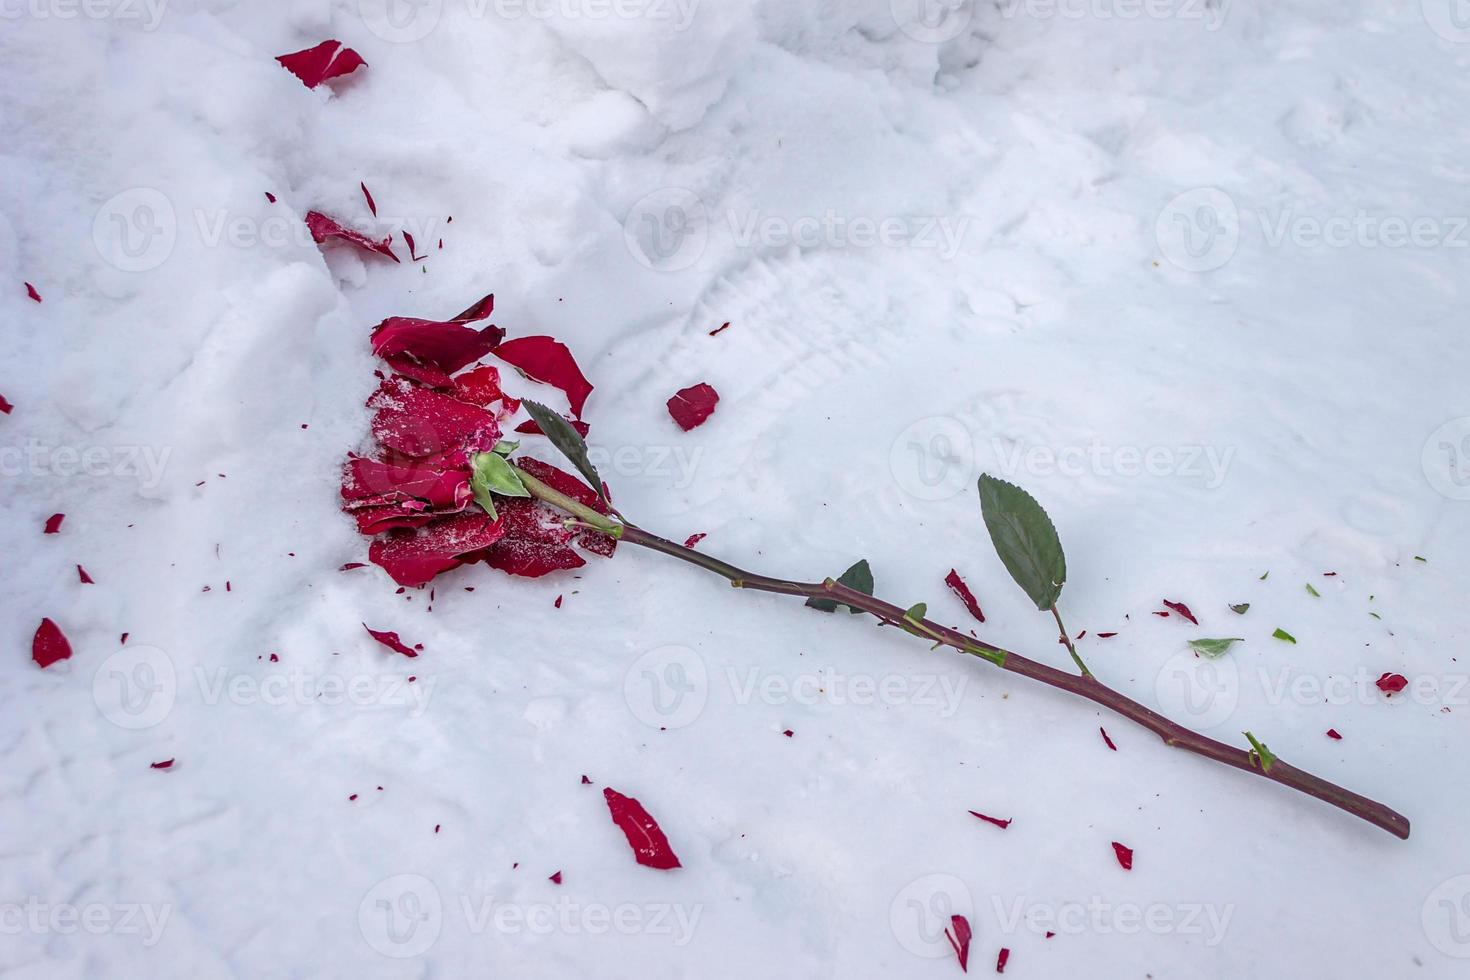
[[330, 59], [958, 586], [723, 326], [1391, 684], [49, 645], [351, 565], [414, 557], [694, 539], [5, 406], [413, 250], [391, 641], [1104, 636], [85, 578], [1332, 734], [548, 361], [270, 197], [165, 764], [650, 846], [1107, 740], [31, 292], [789, 733], [1002, 960], [1182, 610], [1002, 824], [1163, 614], [959, 935], [691, 406], [586, 781], [432, 350], [555, 879], [53, 523], [557, 604], [372, 205], [323, 228], [531, 428], [1125, 855]]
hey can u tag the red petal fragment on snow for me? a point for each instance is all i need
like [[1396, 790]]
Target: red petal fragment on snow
[[82, 574], [351, 565], [530, 428], [5, 406], [1163, 614], [586, 781], [958, 586], [1104, 636], [329, 59], [31, 292], [1332, 734], [270, 197], [1107, 740], [373, 206], [53, 523], [1391, 684], [323, 228], [691, 406], [1002, 824], [723, 326], [165, 764], [1125, 855], [959, 935], [391, 641], [49, 645], [1182, 610], [414, 557], [431, 350], [650, 846], [550, 362], [1002, 960], [694, 539], [789, 733], [413, 249], [555, 879]]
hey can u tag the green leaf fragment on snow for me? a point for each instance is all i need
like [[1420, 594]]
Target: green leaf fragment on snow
[[1264, 574], [1240, 608], [1025, 539], [1313, 591], [1421, 558], [1375, 615], [859, 578], [1214, 648], [1281, 634]]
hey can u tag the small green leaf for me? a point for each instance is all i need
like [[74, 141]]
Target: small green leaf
[[566, 439], [1264, 574], [1375, 615], [1240, 608], [490, 473], [1313, 591], [859, 578], [1281, 634], [1261, 754], [1214, 648], [1421, 558], [917, 611], [505, 447], [1025, 539]]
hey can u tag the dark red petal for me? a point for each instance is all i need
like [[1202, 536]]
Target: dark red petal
[[480, 386], [270, 197], [5, 406], [550, 362], [694, 539], [535, 542], [962, 590], [165, 764], [82, 574], [1002, 824], [372, 205], [1002, 960], [650, 847], [1391, 684], [1182, 610], [53, 523], [1106, 739], [691, 406], [413, 250], [432, 350], [1104, 636], [959, 935], [555, 879], [420, 422], [414, 557], [323, 228], [1332, 734], [586, 781], [329, 59], [31, 292], [49, 645], [564, 482], [391, 641], [530, 428], [1125, 855]]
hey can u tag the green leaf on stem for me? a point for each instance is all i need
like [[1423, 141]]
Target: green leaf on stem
[[566, 439], [1260, 754], [1025, 539], [490, 474], [1281, 634], [1240, 608], [859, 578], [505, 447], [1214, 648], [917, 611]]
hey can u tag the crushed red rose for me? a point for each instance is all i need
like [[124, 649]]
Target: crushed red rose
[[958, 586], [691, 406], [650, 847], [330, 59]]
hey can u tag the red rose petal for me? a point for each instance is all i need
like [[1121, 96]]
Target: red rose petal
[[564, 482], [480, 386], [1332, 734], [413, 250], [270, 197], [432, 350], [391, 641], [323, 228], [650, 847], [165, 764], [31, 292], [372, 205], [534, 543], [555, 879], [531, 428], [691, 406], [586, 781], [1391, 684], [5, 406], [958, 586], [82, 574], [49, 645], [351, 565], [1124, 854], [413, 557], [53, 523], [959, 935], [557, 603], [1182, 610], [1002, 824], [1002, 960], [694, 539], [420, 422], [1104, 636], [1106, 739], [330, 59], [548, 361], [789, 733]]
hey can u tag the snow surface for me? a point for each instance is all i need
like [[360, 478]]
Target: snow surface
[[1226, 392]]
